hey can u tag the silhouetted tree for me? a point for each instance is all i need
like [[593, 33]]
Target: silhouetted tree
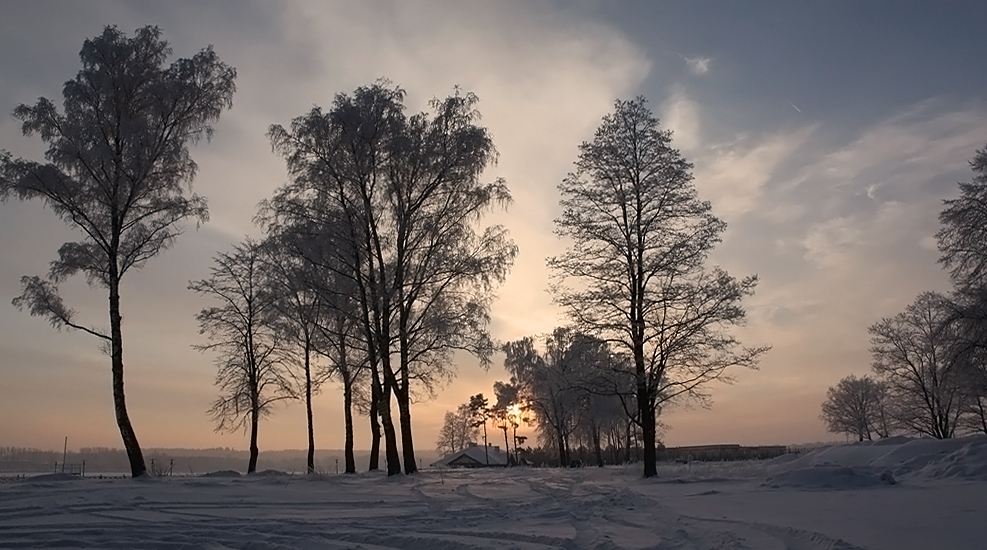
[[407, 195], [916, 354], [505, 412], [963, 243], [479, 409], [963, 236], [641, 238], [294, 282], [245, 332], [855, 406], [118, 166]]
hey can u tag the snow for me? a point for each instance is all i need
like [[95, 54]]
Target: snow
[[832, 498]]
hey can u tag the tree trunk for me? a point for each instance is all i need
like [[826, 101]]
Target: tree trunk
[[648, 430], [647, 414], [563, 459], [517, 456], [134, 454], [348, 421], [391, 455], [646, 407], [596, 444], [627, 453], [407, 441], [486, 446], [308, 407], [507, 446], [254, 418], [375, 392]]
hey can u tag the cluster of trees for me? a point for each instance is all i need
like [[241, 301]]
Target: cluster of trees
[[649, 320], [930, 361], [378, 265], [374, 269], [462, 428]]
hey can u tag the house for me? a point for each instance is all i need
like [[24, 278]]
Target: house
[[474, 456]]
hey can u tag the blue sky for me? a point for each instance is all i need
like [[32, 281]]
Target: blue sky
[[826, 134]]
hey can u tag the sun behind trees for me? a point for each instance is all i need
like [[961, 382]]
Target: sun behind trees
[[119, 171]]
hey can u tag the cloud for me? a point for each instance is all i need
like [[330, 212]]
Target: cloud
[[680, 114], [698, 65], [733, 175]]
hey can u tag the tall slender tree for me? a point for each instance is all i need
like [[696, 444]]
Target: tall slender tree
[[636, 272], [246, 333], [302, 310], [118, 165]]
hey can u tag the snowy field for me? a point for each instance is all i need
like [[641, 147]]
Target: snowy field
[[896, 494]]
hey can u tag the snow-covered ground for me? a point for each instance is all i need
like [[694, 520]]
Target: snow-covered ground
[[896, 494]]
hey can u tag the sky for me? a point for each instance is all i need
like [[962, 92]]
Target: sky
[[825, 134]]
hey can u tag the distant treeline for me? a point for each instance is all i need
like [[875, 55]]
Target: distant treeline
[[178, 461], [722, 452]]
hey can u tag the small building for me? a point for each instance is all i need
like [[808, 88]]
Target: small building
[[474, 456]]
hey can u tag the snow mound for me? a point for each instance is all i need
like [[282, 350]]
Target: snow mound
[[901, 457], [967, 462], [222, 473], [270, 473], [828, 477], [47, 478]]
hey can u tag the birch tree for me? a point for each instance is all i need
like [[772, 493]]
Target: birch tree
[[408, 197], [119, 171]]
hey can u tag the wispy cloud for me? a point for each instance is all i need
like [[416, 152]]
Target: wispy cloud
[[698, 65]]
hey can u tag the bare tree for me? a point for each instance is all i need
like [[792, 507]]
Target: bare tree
[[963, 236], [916, 353], [117, 171], [963, 243], [854, 406], [244, 331], [336, 162], [640, 239]]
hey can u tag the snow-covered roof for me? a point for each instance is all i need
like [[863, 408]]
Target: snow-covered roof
[[474, 455]]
